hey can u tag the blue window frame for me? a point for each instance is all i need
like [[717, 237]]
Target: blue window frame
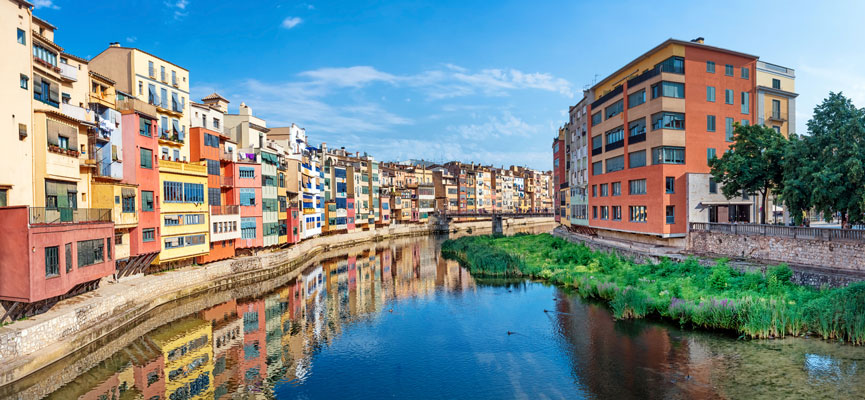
[[193, 192]]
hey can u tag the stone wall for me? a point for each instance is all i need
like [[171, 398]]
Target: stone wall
[[833, 255], [72, 324]]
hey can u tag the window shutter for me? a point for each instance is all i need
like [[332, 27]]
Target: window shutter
[[174, 102], [176, 125], [182, 134], [54, 93], [114, 152], [37, 84], [182, 103]]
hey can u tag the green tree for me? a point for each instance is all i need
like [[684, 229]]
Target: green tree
[[754, 164], [826, 170]]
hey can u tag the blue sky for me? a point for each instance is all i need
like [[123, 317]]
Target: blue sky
[[476, 81]]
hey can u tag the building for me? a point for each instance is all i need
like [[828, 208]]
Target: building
[[560, 182], [657, 121], [578, 161]]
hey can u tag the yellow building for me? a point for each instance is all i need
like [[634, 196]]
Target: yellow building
[[119, 197], [188, 354], [183, 212], [776, 97]]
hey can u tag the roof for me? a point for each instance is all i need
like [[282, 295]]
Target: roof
[[74, 57], [103, 77], [48, 42], [665, 44], [111, 48], [44, 22], [215, 96]]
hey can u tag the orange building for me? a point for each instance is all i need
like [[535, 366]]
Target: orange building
[[654, 126]]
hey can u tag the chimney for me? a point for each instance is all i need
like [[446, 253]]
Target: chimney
[[114, 44], [698, 40]]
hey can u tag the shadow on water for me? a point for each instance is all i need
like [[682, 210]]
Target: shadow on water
[[396, 319]]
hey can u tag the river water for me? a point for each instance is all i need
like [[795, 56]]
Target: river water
[[396, 320]]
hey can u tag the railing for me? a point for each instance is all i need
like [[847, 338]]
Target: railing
[[640, 137], [643, 77], [615, 145], [46, 215], [776, 116], [226, 181], [69, 72], [226, 156], [609, 95], [225, 210], [794, 232], [136, 105]]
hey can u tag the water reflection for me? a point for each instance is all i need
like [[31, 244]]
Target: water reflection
[[398, 320]]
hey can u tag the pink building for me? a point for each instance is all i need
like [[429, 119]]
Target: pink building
[[247, 193]]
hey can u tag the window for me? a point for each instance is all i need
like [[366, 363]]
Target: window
[[246, 172], [594, 190], [215, 123], [44, 54], [172, 192], [670, 184], [616, 188], [745, 122], [713, 187], [597, 145], [247, 228], [604, 190], [163, 100], [90, 252], [637, 159], [710, 67], [108, 248], [605, 212], [776, 83], [637, 131], [595, 212], [193, 192], [710, 123], [129, 203], [710, 154], [635, 99], [728, 96], [616, 135], [144, 127], [247, 196], [637, 186], [728, 69], [597, 118], [146, 200], [146, 156], [3, 200], [63, 142], [746, 73], [746, 102], [616, 163], [68, 251], [776, 109], [148, 235], [668, 89], [150, 70], [52, 261], [671, 215], [174, 77], [214, 197], [776, 128], [22, 38], [617, 213], [24, 79], [268, 180], [710, 93], [668, 155], [728, 129], [637, 213], [213, 167], [174, 242], [673, 64], [614, 109], [668, 120], [162, 73]]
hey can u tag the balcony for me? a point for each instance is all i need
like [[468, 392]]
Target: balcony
[[170, 137], [776, 116], [69, 72], [137, 105], [46, 215], [225, 210], [226, 181]]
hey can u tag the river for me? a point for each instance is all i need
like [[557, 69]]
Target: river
[[397, 320]]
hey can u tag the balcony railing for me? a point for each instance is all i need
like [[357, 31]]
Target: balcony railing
[[603, 99], [69, 72], [64, 215], [225, 210], [776, 116], [226, 181]]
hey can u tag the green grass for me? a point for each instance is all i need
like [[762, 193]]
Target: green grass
[[719, 297]]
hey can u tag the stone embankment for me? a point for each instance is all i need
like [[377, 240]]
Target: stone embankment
[[73, 324], [804, 274]]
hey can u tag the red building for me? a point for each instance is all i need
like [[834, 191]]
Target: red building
[[559, 176], [48, 253], [141, 149], [350, 213], [246, 192]]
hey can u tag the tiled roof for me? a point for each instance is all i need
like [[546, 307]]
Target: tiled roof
[[214, 96]]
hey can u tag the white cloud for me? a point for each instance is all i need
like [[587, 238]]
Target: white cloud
[[45, 4], [131, 39], [348, 77], [291, 22], [179, 7], [507, 125]]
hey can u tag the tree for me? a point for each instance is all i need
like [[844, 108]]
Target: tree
[[826, 170], [754, 163]]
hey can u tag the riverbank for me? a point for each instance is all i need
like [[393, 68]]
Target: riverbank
[[718, 297], [72, 324]]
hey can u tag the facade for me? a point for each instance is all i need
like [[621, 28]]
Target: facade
[[16, 177], [578, 161], [560, 182], [654, 124]]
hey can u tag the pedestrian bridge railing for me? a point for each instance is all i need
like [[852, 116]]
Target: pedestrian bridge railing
[[793, 232]]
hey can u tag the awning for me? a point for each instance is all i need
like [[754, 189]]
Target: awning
[[127, 192]]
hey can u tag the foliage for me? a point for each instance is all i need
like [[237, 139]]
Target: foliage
[[826, 170], [754, 164], [719, 297]]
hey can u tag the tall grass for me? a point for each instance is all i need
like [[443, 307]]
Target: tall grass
[[718, 297]]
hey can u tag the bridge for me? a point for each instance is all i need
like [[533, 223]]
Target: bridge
[[441, 220]]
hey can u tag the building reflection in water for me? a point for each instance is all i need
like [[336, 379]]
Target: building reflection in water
[[247, 346]]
